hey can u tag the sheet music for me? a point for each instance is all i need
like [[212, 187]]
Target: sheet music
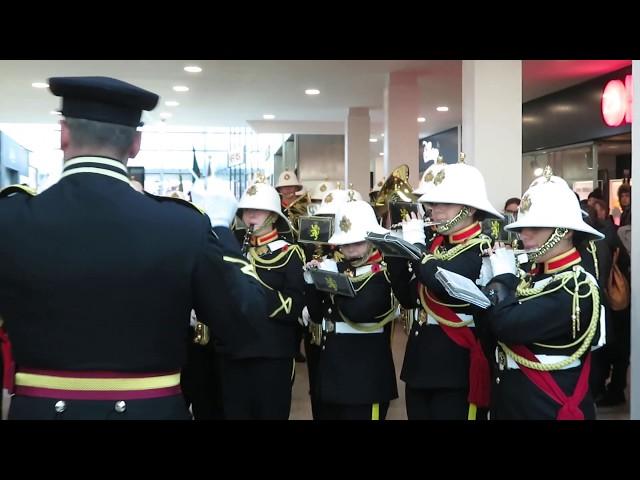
[[462, 288], [393, 246]]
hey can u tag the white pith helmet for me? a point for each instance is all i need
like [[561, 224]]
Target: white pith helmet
[[549, 202], [321, 189], [332, 200], [353, 221], [426, 181], [460, 184], [261, 196], [288, 178]]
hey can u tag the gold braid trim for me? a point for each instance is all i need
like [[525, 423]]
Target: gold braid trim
[[592, 250], [388, 316], [439, 319], [589, 334], [481, 240], [260, 262], [285, 304], [365, 278], [246, 268]]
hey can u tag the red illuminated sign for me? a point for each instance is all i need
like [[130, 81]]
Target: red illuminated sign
[[617, 99]]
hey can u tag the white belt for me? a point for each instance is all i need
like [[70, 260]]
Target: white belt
[[546, 359], [462, 316], [343, 327]]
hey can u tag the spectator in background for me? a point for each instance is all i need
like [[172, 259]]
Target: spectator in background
[[595, 195], [624, 197], [511, 206]]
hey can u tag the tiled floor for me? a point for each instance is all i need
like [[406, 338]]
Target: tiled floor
[[301, 407]]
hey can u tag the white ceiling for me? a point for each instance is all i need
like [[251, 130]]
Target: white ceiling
[[238, 93]]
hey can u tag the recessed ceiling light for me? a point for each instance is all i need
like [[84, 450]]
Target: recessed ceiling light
[[180, 88], [192, 69], [39, 85], [268, 116], [312, 91], [381, 154], [442, 109], [421, 119], [55, 112], [165, 115], [373, 140], [171, 103]]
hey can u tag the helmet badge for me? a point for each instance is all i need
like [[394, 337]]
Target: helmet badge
[[345, 224], [439, 177]]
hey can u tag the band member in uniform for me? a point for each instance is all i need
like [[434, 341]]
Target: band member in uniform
[[546, 321], [98, 280], [294, 201], [318, 193], [445, 371], [356, 377], [257, 379], [323, 257]]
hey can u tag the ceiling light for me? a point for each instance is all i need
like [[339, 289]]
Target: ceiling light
[[381, 154], [382, 134], [165, 115], [312, 91], [39, 85], [442, 109], [268, 116], [421, 119], [171, 103], [180, 88], [373, 140], [192, 69], [537, 172]]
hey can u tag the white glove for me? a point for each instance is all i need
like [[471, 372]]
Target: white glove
[[328, 265], [305, 318], [486, 272], [503, 260], [413, 231], [216, 199]]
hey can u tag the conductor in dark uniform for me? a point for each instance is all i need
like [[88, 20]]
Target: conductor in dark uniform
[[98, 281]]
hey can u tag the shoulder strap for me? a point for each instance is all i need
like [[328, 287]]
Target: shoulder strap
[[23, 189], [186, 203]]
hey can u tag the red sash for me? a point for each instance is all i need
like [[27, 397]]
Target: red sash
[[8, 373], [570, 406], [479, 373]]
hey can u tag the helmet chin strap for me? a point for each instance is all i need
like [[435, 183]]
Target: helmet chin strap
[[557, 235], [448, 225], [266, 226]]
